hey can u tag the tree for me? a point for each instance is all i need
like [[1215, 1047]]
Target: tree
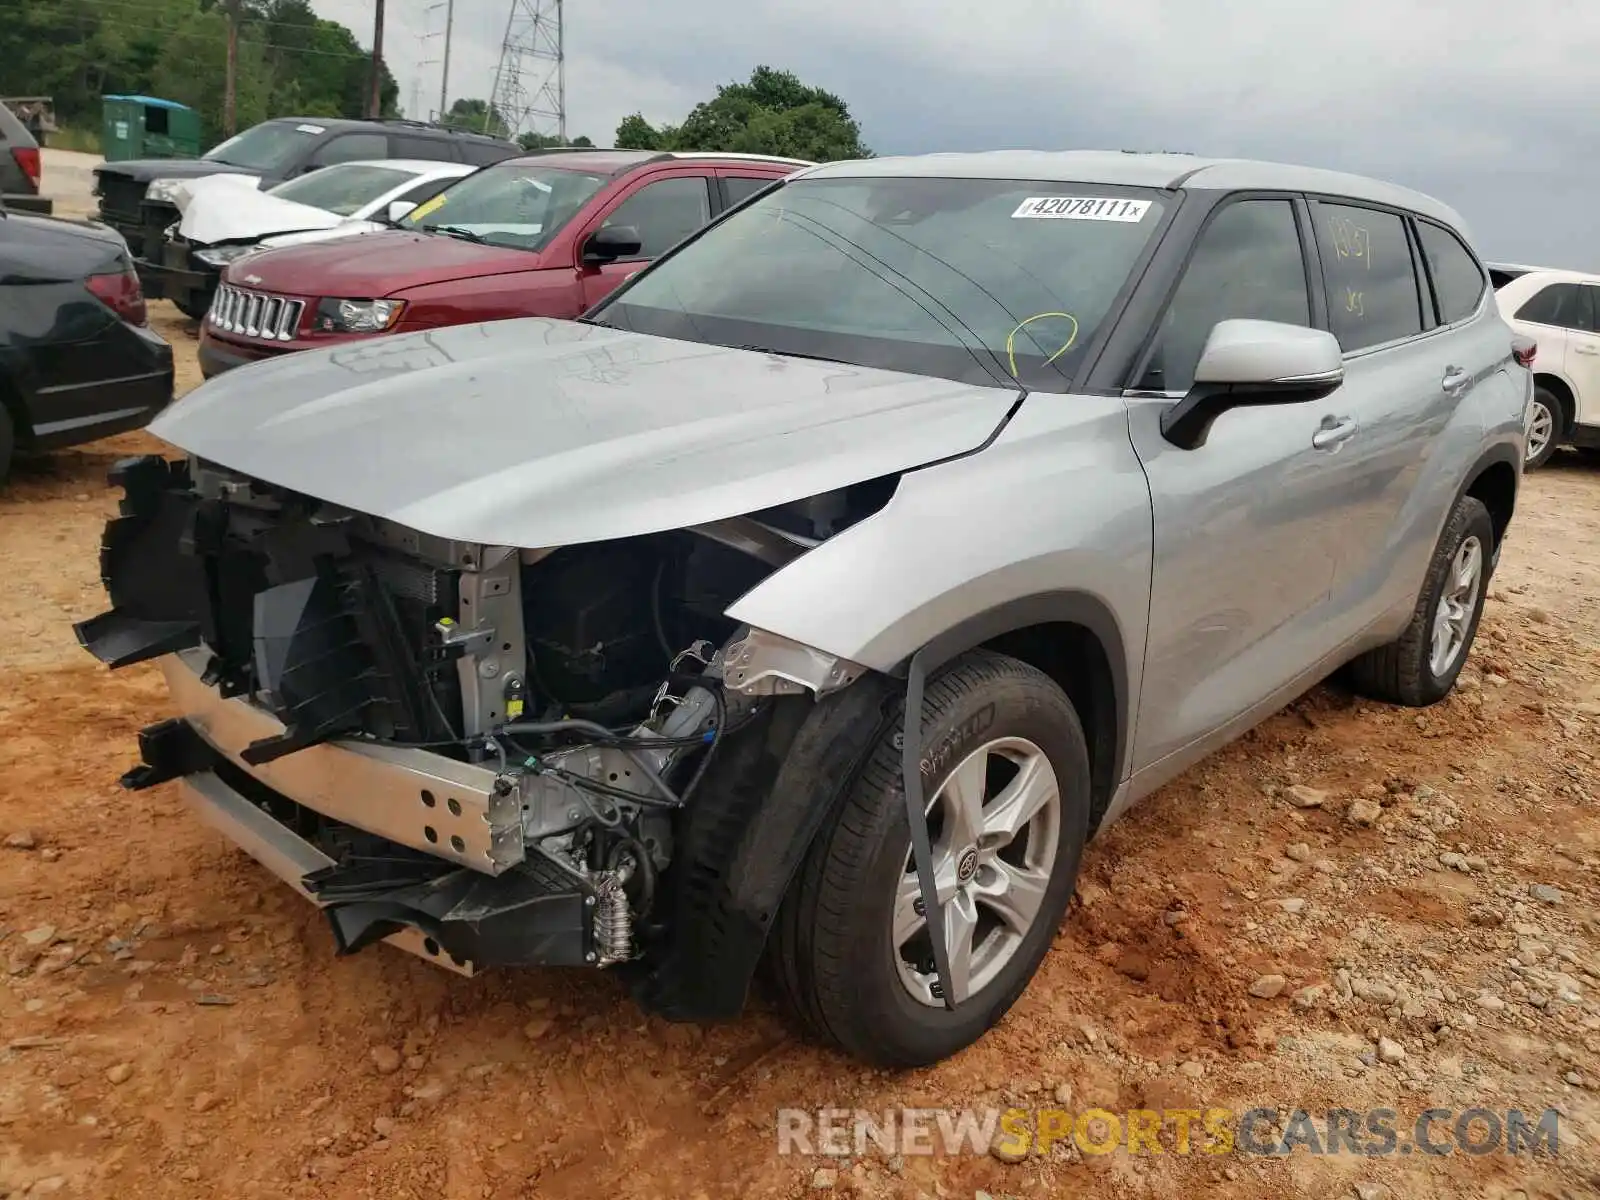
[[772, 113], [471, 114], [291, 62], [635, 133], [549, 141]]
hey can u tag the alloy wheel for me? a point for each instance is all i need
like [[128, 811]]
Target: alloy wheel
[[995, 824], [1458, 602]]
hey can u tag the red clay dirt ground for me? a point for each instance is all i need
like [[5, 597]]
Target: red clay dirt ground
[[173, 1022]]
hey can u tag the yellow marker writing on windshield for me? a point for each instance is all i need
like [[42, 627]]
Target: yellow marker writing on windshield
[[1011, 338], [426, 207]]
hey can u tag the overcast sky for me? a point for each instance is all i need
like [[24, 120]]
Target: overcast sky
[[1494, 107]]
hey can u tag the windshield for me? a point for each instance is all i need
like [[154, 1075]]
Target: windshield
[[265, 147], [522, 207], [980, 280], [344, 188]]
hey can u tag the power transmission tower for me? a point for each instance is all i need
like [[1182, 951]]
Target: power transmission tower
[[530, 84]]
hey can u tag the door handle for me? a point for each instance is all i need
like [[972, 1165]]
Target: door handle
[[1587, 349], [1454, 379], [1335, 432]]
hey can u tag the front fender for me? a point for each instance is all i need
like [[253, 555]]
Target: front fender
[[1052, 522]]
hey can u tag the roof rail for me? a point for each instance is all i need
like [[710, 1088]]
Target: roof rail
[[435, 125]]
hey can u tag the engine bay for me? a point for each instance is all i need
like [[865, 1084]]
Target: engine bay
[[589, 683]]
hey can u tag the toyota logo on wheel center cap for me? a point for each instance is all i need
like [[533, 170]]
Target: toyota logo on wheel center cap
[[967, 866]]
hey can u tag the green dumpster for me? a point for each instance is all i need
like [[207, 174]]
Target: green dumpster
[[144, 127]]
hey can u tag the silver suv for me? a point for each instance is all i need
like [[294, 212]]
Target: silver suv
[[540, 642]]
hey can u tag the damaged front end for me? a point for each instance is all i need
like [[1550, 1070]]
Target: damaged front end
[[483, 754]]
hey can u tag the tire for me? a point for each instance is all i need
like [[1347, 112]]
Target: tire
[[1405, 671], [189, 309], [1545, 430], [833, 953], [8, 442]]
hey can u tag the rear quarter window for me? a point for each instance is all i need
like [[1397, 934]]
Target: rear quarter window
[[1457, 278], [1369, 274]]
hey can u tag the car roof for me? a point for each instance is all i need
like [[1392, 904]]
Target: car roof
[[617, 162], [422, 166], [399, 124], [1138, 169], [1543, 275]]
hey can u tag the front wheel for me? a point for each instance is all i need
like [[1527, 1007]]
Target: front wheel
[[1006, 773], [1421, 666]]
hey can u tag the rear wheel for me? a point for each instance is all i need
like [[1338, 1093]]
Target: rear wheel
[[1544, 429], [1420, 667], [1006, 770]]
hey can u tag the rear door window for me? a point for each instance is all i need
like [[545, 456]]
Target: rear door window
[[1564, 305], [1370, 275], [738, 188], [1457, 278], [1247, 264]]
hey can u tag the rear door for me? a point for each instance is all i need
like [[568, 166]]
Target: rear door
[[1556, 315], [1583, 360], [1246, 525], [1405, 376], [664, 206]]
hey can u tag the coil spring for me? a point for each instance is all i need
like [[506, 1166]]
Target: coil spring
[[613, 922]]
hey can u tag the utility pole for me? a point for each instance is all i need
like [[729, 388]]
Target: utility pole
[[375, 99], [230, 120], [444, 73]]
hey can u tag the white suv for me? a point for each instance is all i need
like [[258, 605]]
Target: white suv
[[1561, 311]]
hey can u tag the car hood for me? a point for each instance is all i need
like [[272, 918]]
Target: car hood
[[535, 433], [229, 208], [346, 228], [146, 169], [379, 265]]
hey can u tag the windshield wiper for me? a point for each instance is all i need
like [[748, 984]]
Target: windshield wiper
[[457, 231], [795, 354]]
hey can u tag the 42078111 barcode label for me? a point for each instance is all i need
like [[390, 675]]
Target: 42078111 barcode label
[[1083, 208]]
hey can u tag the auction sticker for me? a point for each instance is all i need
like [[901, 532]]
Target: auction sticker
[[1083, 208]]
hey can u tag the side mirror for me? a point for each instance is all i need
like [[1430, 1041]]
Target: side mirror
[[611, 243], [1247, 363], [398, 209]]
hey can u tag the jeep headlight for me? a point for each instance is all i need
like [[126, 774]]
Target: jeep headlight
[[163, 190], [357, 316], [221, 256]]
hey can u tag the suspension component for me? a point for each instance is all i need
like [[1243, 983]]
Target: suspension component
[[613, 922]]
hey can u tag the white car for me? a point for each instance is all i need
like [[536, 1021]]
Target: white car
[[224, 217], [1561, 311]]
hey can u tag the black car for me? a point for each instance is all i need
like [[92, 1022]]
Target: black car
[[19, 166], [76, 360], [274, 151]]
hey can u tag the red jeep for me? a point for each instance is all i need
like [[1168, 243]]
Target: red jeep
[[542, 236]]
